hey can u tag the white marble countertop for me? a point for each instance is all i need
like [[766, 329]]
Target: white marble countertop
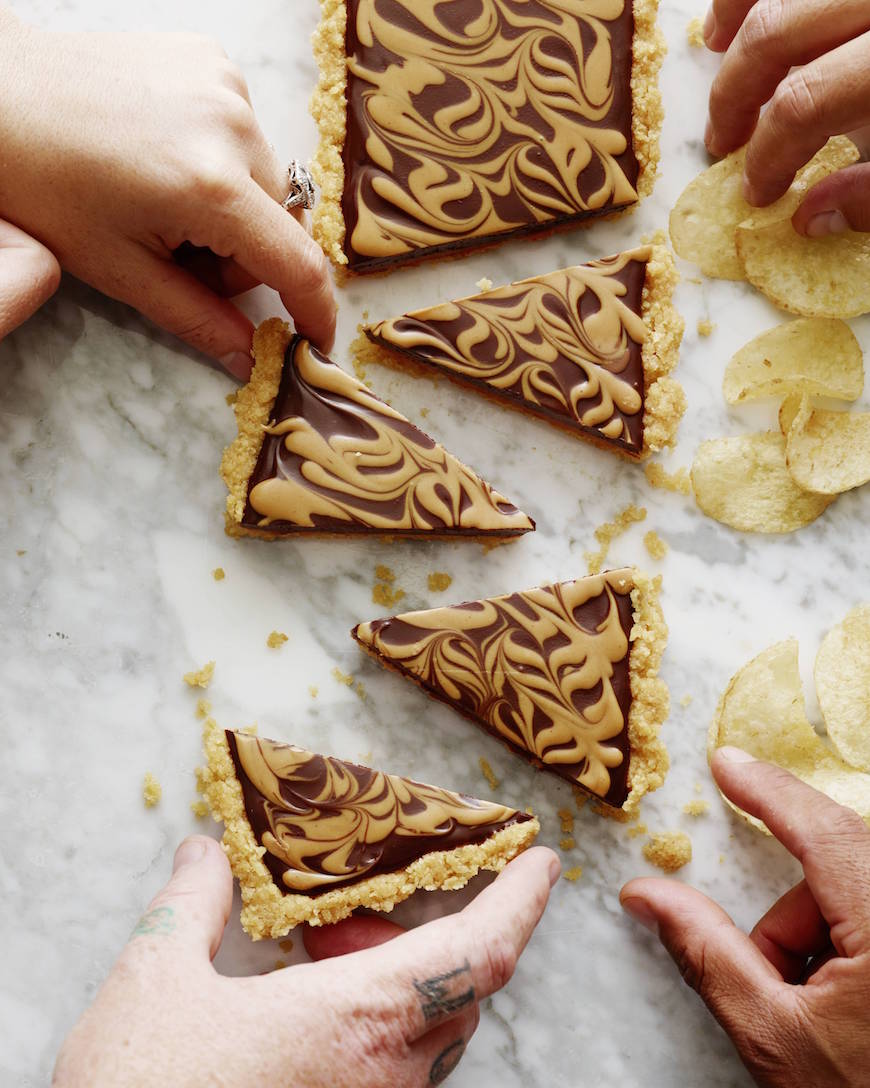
[[110, 438]]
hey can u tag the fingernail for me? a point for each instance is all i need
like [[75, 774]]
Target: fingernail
[[237, 363], [708, 135], [709, 25], [189, 853], [736, 755], [824, 223], [639, 910], [555, 872]]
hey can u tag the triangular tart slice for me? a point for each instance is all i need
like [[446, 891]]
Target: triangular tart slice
[[318, 452], [311, 837], [565, 675], [588, 348]]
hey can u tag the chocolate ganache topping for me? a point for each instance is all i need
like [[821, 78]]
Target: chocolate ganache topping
[[566, 346], [335, 458], [326, 823], [468, 119], [546, 671]]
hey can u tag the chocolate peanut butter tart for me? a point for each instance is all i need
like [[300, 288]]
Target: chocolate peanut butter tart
[[565, 675], [311, 837], [451, 123], [317, 452], [588, 348]]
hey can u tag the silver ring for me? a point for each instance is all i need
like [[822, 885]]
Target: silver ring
[[302, 193]]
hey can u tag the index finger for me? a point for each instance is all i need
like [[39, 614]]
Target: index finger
[[831, 842], [724, 19]]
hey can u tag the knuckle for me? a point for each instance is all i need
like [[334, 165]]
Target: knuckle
[[211, 182], [763, 26], [797, 101]]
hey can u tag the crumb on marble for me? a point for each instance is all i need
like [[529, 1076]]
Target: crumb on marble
[[488, 773], [276, 640], [619, 815], [384, 592], [608, 532], [313, 690], [580, 798], [152, 791], [566, 821], [438, 581], [286, 945], [637, 831], [706, 327], [668, 850], [721, 859], [568, 843], [231, 398], [200, 678], [686, 700], [678, 481], [360, 369], [573, 874], [21, 551], [698, 787], [219, 574], [201, 774], [695, 32], [360, 689], [654, 544], [252, 730], [343, 677], [199, 809], [279, 965], [696, 807], [424, 412], [203, 708], [484, 284]]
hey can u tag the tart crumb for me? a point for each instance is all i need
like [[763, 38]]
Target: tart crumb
[[286, 945], [706, 327], [231, 398], [654, 544], [695, 33], [276, 640], [698, 787], [686, 700], [219, 574], [424, 412], [200, 678], [619, 815], [488, 773], [279, 965], [566, 821], [580, 798], [359, 368], [152, 791], [343, 677], [608, 532], [697, 807], [360, 690], [573, 874], [21, 551], [313, 690], [438, 581], [567, 843], [199, 809], [668, 850], [203, 708], [678, 481], [384, 592], [637, 831], [484, 284]]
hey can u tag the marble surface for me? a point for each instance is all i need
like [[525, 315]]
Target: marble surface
[[110, 437]]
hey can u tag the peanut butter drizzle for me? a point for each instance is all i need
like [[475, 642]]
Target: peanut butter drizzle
[[545, 670], [325, 822], [350, 460], [480, 118], [568, 343]]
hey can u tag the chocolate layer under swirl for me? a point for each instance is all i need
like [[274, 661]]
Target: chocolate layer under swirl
[[567, 346], [326, 823], [546, 671], [469, 119], [335, 458]]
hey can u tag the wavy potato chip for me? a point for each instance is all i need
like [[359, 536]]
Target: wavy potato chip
[[704, 221], [828, 453], [744, 482], [814, 355], [842, 674], [762, 712]]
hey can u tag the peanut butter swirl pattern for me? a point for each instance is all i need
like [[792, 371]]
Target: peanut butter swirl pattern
[[337, 458], [568, 345], [473, 118], [325, 823], [546, 671]]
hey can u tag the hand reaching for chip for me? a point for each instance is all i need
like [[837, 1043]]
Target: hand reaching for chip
[[400, 1015], [794, 994], [810, 61]]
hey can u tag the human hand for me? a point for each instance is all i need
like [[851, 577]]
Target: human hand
[[810, 60], [136, 159], [29, 276], [793, 995], [400, 1015]]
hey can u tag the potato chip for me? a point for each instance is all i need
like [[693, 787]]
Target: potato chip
[[812, 355], [842, 673], [828, 452], [762, 712], [789, 409], [744, 482], [706, 216]]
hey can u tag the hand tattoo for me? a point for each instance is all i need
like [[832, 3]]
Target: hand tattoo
[[444, 995], [159, 922]]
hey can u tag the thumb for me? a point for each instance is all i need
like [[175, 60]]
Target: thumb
[[29, 276], [839, 203], [729, 972], [194, 906]]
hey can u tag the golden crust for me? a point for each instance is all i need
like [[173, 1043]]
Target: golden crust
[[650, 699], [329, 110], [647, 115], [267, 912], [664, 399]]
